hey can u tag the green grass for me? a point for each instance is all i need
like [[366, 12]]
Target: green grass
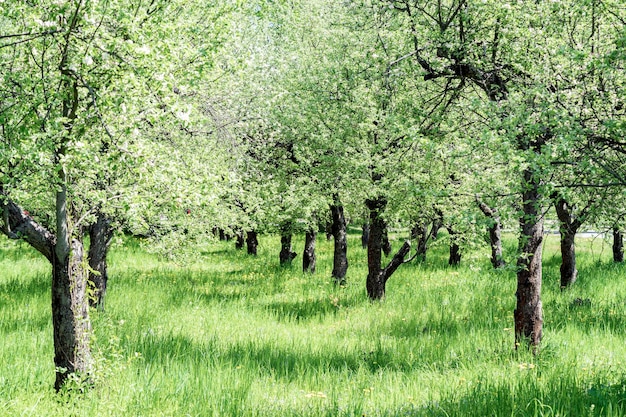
[[232, 335]]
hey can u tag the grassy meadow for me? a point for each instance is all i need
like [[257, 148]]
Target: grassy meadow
[[233, 335]]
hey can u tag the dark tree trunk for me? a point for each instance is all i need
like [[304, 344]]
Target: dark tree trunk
[[420, 233], [240, 240], [377, 277], [618, 245], [329, 229], [495, 235], [365, 234], [286, 253], [252, 242], [568, 226], [375, 284], [528, 312], [423, 235], [455, 250], [386, 243], [339, 231], [70, 316], [308, 256], [100, 237]]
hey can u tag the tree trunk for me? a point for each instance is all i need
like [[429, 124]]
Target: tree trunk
[[100, 237], [240, 240], [423, 235], [568, 226], [386, 244], [70, 316], [339, 232], [375, 284], [420, 233], [286, 253], [252, 242], [528, 312], [365, 235], [308, 256], [495, 235], [377, 277], [455, 250], [618, 245]]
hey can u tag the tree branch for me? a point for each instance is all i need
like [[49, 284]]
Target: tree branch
[[18, 224]]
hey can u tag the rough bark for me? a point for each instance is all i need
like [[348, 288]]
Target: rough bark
[[618, 245], [377, 276], [70, 306], [528, 312], [18, 224], [286, 252], [340, 235], [252, 242], [495, 235], [308, 255], [365, 234], [70, 316], [100, 237]]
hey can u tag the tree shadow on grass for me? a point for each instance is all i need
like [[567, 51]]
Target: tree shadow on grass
[[305, 310], [268, 357], [529, 396]]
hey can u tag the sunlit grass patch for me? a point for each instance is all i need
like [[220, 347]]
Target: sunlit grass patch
[[234, 335]]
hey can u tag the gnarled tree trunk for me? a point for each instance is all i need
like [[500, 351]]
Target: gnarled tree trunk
[[308, 255], [495, 235], [339, 232], [528, 313], [70, 307], [70, 316], [377, 277], [100, 237], [618, 245]]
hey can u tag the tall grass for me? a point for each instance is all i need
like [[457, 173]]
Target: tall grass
[[233, 335]]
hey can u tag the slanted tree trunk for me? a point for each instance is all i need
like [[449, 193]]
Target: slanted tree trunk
[[286, 253], [339, 231], [495, 235], [365, 234], [420, 233], [308, 255], [455, 250], [252, 242], [618, 245], [100, 237], [377, 276], [528, 313]]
